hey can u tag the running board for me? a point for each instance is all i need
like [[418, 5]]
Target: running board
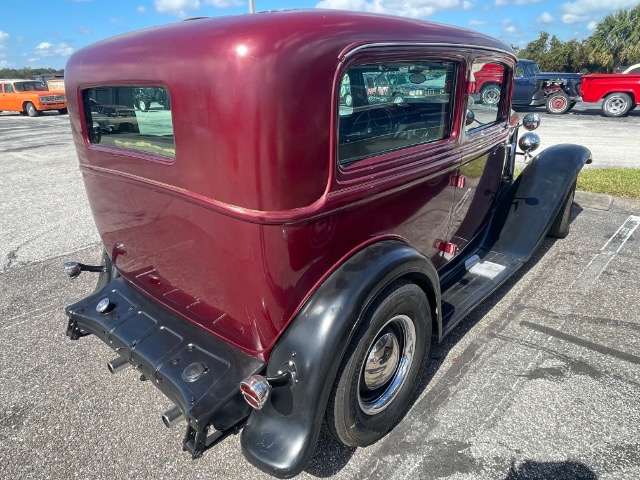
[[482, 274]]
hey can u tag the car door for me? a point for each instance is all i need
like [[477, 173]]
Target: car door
[[482, 162], [401, 151], [5, 98], [524, 85]]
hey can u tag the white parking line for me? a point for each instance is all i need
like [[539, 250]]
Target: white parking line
[[599, 263]]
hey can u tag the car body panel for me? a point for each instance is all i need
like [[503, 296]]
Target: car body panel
[[597, 86]]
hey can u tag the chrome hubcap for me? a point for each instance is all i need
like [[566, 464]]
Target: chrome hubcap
[[491, 96], [616, 105], [381, 362], [387, 364]]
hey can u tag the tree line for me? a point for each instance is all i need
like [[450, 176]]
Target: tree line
[[614, 42], [27, 72]]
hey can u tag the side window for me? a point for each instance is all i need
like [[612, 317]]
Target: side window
[[8, 88], [635, 70], [519, 71], [133, 118], [483, 107], [391, 106]]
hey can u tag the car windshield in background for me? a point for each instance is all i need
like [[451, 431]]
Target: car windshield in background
[[29, 86], [113, 121]]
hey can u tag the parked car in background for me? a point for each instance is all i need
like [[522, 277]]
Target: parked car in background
[[53, 82], [278, 262], [619, 93], [558, 92], [30, 97], [145, 96], [635, 69], [115, 118]]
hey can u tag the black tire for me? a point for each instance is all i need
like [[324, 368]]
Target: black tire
[[560, 226], [63, 111], [143, 104], [617, 105], [365, 404], [490, 94], [558, 103], [31, 109], [571, 105]]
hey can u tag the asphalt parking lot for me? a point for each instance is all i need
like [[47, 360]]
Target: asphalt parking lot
[[541, 381]]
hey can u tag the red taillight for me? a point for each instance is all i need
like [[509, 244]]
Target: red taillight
[[255, 390]]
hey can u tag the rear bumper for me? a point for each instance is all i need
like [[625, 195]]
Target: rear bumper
[[198, 372]]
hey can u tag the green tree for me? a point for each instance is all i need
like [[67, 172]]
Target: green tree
[[616, 40]]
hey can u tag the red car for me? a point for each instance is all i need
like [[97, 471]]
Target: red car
[[276, 261], [619, 93]]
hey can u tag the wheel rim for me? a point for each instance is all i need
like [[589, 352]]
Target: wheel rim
[[30, 109], [491, 96], [387, 364], [616, 105], [558, 103]]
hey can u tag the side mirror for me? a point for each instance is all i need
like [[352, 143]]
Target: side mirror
[[531, 121], [529, 142], [470, 118]]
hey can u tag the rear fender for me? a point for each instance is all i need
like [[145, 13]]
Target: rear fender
[[280, 438]]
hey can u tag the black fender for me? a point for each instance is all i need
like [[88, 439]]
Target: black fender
[[281, 437], [530, 205]]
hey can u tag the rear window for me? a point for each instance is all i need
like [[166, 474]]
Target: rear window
[[134, 118]]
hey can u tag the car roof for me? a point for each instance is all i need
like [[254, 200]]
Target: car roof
[[297, 55], [631, 67]]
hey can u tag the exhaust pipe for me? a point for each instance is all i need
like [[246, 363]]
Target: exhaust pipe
[[117, 364], [171, 417]]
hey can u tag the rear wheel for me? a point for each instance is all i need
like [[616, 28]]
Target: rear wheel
[[382, 367], [490, 94], [560, 226], [31, 109], [558, 102], [143, 104], [617, 105]]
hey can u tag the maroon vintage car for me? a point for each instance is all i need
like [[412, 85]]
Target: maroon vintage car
[[278, 261], [619, 93]]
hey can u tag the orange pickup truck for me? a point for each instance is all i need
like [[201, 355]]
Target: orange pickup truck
[[30, 97]]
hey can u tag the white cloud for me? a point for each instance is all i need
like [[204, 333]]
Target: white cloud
[[141, 9], [502, 3], [3, 38], [570, 18], [414, 9], [466, 5], [224, 3], [592, 26], [4, 64], [46, 49], [477, 23], [179, 8], [545, 18], [511, 29], [588, 7]]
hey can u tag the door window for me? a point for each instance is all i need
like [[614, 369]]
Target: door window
[[391, 106], [483, 108]]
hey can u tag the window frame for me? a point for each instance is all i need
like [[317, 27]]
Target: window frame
[[119, 150], [423, 155]]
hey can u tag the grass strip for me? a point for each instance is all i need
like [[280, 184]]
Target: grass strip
[[618, 182]]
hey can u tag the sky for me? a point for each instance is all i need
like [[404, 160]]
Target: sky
[[35, 33]]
